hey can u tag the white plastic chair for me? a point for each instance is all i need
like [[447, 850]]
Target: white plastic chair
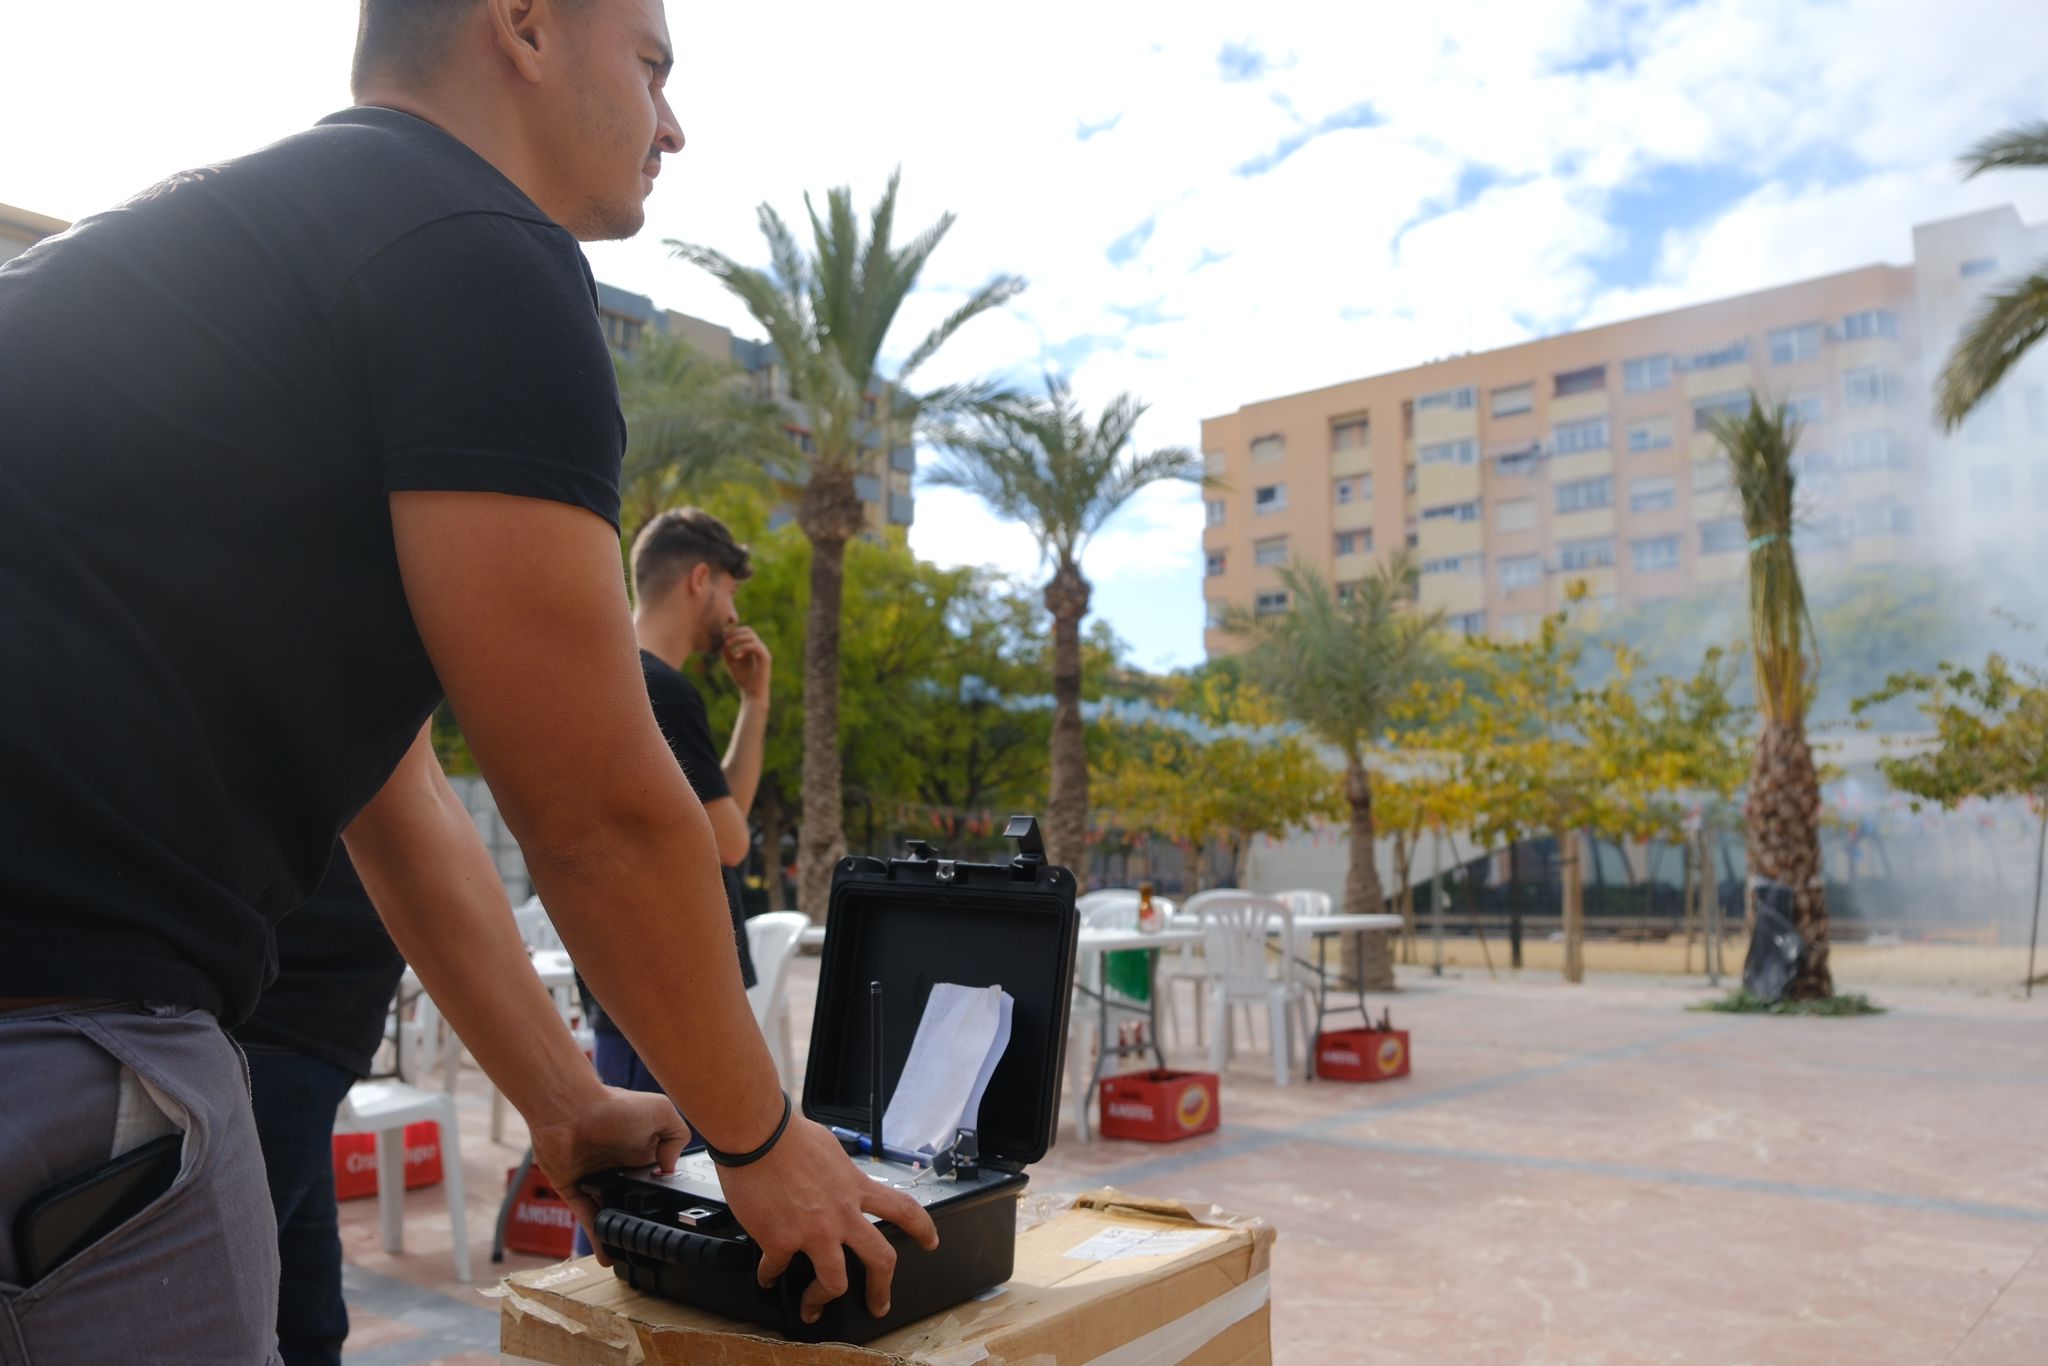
[[536, 931], [1236, 939], [771, 940], [1306, 901], [385, 1106], [1113, 908]]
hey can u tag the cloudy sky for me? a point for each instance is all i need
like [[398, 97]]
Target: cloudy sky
[[1214, 204]]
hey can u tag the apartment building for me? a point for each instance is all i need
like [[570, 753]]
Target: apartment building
[[1585, 457], [20, 230], [887, 489]]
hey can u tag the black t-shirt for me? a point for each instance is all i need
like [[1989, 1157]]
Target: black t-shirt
[[206, 396], [679, 710], [336, 972]]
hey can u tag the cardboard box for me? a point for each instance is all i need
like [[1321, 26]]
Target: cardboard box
[[1114, 1276], [355, 1161], [1362, 1054], [1159, 1106], [541, 1224]]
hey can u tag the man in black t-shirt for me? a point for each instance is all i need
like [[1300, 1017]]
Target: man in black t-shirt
[[686, 568], [292, 447], [315, 1033]]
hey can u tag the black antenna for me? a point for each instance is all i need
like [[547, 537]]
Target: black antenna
[[875, 1081]]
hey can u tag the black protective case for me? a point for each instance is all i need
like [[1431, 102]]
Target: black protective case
[[908, 923]]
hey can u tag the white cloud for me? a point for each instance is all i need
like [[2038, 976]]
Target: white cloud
[[1352, 255]]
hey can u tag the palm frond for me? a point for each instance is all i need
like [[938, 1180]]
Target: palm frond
[[1759, 445], [2009, 322], [2023, 144], [994, 294]]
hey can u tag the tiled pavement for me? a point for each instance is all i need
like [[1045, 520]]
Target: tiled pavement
[[1574, 1174]]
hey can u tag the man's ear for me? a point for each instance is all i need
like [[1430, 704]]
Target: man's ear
[[700, 578], [516, 30]]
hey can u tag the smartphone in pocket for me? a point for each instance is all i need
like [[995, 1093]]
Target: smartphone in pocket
[[63, 1221]]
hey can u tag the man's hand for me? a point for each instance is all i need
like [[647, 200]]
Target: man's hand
[[747, 660], [807, 1196], [621, 1129]]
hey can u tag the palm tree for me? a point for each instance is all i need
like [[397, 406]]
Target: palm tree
[[2012, 319], [828, 315], [1338, 664], [1783, 812], [692, 425], [1043, 463]]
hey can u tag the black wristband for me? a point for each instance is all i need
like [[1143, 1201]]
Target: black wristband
[[749, 1159]]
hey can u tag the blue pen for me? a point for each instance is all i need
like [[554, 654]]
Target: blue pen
[[860, 1143]]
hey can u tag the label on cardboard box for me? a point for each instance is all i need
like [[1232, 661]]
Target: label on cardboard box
[[1120, 1244]]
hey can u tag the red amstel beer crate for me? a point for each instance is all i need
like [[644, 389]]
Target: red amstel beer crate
[[1362, 1054], [355, 1160], [541, 1224], [1159, 1106]]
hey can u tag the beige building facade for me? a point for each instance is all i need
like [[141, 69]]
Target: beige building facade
[[1584, 457], [20, 230]]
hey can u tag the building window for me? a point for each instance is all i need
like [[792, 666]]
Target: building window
[[1646, 373], [1212, 512], [1408, 479], [1735, 353], [1721, 535], [1215, 614], [1454, 564], [1655, 554], [1457, 400], [1652, 495], [1516, 398], [1471, 623], [1705, 410], [1267, 449], [1453, 512], [1353, 489], [1871, 322], [1869, 386], [1354, 542], [1449, 453], [1270, 551], [1352, 434], [1808, 408], [1270, 604], [1215, 563], [803, 440], [1990, 487], [1520, 571], [1986, 423], [1586, 381], [1790, 344], [1874, 451], [1348, 589], [1597, 553], [1581, 495], [1514, 514], [1879, 519], [1270, 499], [1654, 435], [1982, 265], [1571, 437]]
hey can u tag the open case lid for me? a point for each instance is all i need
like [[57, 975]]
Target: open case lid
[[913, 922]]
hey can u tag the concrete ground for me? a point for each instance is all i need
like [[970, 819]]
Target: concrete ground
[[1572, 1174]]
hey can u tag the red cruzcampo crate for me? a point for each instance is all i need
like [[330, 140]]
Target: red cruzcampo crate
[[1362, 1054], [541, 1224], [1159, 1106], [355, 1161]]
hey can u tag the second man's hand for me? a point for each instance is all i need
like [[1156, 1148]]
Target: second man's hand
[[747, 660], [607, 1128], [807, 1196]]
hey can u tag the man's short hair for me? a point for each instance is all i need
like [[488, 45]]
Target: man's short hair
[[676, 542], [408, 38]]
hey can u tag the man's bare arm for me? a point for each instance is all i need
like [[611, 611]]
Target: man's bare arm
[[523, 611]]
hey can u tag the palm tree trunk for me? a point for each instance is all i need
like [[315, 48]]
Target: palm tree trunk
[[830, 514], [1066, 597], [1371, 953], [1784, 844], [773, 827]]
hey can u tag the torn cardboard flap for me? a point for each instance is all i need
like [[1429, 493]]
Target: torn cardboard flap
[[1184, 1285]]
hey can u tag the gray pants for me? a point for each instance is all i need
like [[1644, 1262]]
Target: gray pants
[[193, 1277]]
